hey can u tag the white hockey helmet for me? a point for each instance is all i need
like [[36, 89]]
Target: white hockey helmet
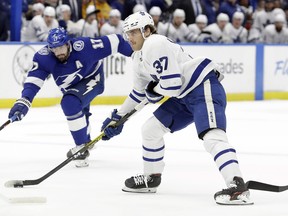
[[49, 11], [137, 20]]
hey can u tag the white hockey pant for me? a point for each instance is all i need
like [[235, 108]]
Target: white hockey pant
[[153, 145], [216, 143]]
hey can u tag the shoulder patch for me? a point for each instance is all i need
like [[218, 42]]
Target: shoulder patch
[[78, 45], [44, 51]]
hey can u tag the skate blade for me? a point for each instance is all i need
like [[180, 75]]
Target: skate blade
[[241, 200], [142, 190]]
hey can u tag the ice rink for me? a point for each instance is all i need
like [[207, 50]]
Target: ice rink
[[31, 148]]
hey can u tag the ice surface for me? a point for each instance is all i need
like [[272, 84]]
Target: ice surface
[[31, 148]]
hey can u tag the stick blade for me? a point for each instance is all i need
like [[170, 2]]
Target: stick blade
[[14, 183]]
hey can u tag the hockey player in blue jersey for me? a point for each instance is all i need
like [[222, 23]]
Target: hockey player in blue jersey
[[76, 66], [195, 95]]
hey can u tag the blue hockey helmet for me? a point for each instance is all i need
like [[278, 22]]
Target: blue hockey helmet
[[57, 37]]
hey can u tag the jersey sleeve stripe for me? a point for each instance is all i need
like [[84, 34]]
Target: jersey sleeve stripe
[[114, 41], [171, 76], [134, 98], [35, 80], [138, 94]]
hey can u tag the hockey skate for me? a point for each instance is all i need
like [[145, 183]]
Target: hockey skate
[[142, 183], [82, 159], [236, 194]]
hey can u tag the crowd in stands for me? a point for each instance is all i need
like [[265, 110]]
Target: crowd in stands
[[197, 21]]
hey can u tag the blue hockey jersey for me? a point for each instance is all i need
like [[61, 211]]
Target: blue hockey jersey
[[85, 59]]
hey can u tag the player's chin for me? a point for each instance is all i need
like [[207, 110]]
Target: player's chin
[[62, 58]]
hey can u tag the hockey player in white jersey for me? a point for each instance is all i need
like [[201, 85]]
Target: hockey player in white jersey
[[276, 33], [176, 30], [39, 27], [195, 94], [196, 28], [234, 32], [213, 33], [114, 24]]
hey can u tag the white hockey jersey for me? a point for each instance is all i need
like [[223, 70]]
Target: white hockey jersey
[[194, 32], [87, 29], [233, 35], [270, 35], [107, 28], [211, 33], [176, 34], [37, 30], [165, 62]]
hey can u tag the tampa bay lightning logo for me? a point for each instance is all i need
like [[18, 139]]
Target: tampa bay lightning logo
[[78, 45], [22, 63]]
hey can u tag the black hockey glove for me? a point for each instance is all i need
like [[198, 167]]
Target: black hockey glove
[[20, 109], [109, 128], [151, 95]]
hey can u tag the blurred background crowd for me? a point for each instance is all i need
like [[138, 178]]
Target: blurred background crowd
[[197, 21]]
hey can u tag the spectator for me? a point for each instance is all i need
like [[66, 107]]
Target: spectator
[[103, 15], [177, 30], [196, 28], [114, 25], [234, 32], [119, 5], [64, 19], [89, 25], [37, 30], [191, 8], [230, 7], [277, 32], [211, 8], [76, 8], [213, 33]]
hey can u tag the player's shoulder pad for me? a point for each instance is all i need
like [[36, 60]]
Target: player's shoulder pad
[[154, 42], [44, 51], [78, 44]]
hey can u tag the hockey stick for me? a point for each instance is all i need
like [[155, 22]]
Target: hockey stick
[[21, 183], [12, 119], [255, 185]]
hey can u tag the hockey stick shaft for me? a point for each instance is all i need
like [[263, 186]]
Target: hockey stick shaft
[[21, 183], [8, 122], [255, 185]]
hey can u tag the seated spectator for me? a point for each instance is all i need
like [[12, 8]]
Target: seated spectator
[[229, 7], [89, 25], [104, 11], [63, 13], [234, 32], [177, 30], [213, 33], [276, 33], [37, 30], [196, 28], [114, 25]]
